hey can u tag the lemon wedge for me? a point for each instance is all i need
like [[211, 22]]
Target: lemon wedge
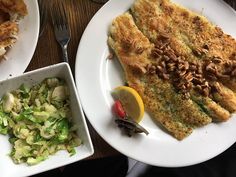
[[131, 102]]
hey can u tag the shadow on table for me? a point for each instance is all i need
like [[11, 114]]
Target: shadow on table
[[223, 165], [107, 167]]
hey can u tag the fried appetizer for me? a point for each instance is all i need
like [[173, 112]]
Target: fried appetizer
[[10, 12], [14, 7], [8, 36]]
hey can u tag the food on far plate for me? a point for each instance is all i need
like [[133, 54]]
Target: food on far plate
[[8, 35], [38, 121], [129, 109], [182, 66], [11, 11]]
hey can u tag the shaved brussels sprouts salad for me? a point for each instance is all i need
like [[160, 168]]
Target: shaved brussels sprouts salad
[[38, 121]]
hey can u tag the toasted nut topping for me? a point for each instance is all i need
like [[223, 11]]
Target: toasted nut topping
[[186, 75], [139, 50], [156, 53], [217, 60], [233, 73], [171, 67], [140, 69], [211, 67], [199, 52], [151, 69]]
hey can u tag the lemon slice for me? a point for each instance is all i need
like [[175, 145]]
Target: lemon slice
[[131, 102]]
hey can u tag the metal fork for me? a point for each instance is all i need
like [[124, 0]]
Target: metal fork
[[61, 27]]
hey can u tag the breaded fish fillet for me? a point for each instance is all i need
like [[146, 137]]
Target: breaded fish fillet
[[215, 111], [8, 36], [14, 7], [194, 30], [166, 106], [192, 37]]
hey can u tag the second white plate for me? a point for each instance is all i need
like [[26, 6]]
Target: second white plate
[[96, 77], [20, 55]]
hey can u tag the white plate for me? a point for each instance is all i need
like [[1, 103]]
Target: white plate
[[96, 77], [61, 158], [19, 56]]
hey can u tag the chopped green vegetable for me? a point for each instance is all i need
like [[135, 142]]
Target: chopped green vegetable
[[38, 121], [8, 102]]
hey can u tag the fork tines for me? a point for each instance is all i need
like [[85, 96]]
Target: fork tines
[[58, 14], [61, 26]]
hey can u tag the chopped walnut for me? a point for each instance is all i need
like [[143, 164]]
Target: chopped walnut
[[171, 67], [139, 50], [217, 60], [151, 69], [138, 68], [156, 53], [188, 77], [203, 88], [185, 75], [211, 67], [171, 55], [129, 44], [162, 41], [199, 51]]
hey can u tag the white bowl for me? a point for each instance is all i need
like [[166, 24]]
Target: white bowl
[[61, 158]]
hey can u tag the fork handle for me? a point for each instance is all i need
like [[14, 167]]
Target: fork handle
[[65, 54]]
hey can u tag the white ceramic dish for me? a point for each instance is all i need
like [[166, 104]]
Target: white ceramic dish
[[61, 158], [96, 77], [20, 55]]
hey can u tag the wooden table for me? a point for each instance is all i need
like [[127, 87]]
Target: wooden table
[[48, 52]]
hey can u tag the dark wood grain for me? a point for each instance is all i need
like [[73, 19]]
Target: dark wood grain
[[48, 52]]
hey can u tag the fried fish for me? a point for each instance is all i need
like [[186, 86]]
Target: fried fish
[[166, 106], [193, 38], [183, 66]]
